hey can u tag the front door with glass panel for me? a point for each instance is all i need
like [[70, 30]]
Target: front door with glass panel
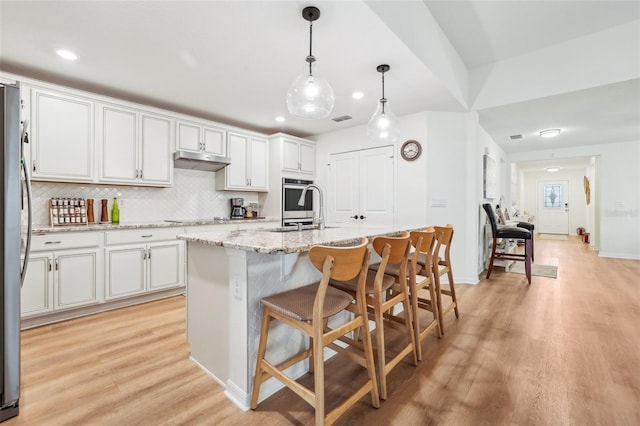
[[553, 207]]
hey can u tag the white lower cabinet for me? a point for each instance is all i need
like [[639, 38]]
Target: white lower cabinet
[[125, 271], [134, 268], [61, 280], [37, 290]]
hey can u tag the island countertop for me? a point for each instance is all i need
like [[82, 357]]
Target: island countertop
[[269, 242]]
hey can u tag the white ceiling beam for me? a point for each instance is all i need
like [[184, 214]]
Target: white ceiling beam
[[413, 23], [594, 60]]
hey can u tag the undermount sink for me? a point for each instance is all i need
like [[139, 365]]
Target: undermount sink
[[295, 228]]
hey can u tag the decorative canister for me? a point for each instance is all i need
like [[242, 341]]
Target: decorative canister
[[90, 218], [104, 217]]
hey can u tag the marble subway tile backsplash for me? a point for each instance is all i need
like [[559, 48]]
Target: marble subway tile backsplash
[[192, 196]]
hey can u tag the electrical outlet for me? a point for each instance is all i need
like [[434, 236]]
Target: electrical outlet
[[237, 290]]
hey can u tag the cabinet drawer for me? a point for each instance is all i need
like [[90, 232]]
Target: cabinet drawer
[[133, 236], [58, 241]]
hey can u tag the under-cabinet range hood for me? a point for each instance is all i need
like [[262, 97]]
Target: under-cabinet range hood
[[199, 161]]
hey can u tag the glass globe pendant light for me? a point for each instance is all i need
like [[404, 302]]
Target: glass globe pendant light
[[383, 126], [310, 96]]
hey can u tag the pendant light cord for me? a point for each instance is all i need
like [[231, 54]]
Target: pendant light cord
[[310, 58], [383, 100]]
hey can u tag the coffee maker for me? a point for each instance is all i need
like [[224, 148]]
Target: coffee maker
[[237, 211]]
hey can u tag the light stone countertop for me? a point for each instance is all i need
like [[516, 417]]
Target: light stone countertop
[[268, 242], [136, 225]]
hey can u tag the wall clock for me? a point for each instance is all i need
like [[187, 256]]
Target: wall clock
[[411, 150]]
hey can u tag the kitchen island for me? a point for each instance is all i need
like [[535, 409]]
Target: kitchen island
[[227, 275]]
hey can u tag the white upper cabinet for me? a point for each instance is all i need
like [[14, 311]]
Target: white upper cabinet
[[134, 146], [298, 156], [117, 138], [62, 137], [156, 146], [249, 169], [200, 137]]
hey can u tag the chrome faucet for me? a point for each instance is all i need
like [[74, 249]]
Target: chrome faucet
[[320, 196]]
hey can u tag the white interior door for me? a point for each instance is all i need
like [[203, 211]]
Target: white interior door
[[376, 186], [553, 207], [344, 186], [361, 186]]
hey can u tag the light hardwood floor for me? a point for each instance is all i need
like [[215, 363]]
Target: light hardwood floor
[[562, 351]]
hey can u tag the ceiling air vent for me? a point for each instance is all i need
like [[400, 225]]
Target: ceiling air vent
[[515, 137], [342, 118]]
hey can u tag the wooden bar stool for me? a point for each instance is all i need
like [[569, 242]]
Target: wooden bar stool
[[307, 309], [441, 266], [422, 278], [508, 232], [394, 253]]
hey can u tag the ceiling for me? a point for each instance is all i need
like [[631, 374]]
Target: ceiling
[[232, 61]]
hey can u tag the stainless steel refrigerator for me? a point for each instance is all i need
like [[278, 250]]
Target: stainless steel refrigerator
[[14, 249]]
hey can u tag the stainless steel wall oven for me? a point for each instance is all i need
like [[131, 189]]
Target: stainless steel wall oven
[[292, 213]]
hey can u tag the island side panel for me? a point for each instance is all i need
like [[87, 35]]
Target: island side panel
[[208, 308]]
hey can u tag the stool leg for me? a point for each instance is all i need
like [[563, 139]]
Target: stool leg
[[416, 319], [409, 318], [532, 250], [493, 253], [262, 348], [527, 259], [318, 378], [452, 290], [382, 379], [437, 293]]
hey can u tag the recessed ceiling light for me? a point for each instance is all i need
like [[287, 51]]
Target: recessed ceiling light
[[280, 119], [549, 133], [357, 95], [67, 54], [553, 169]]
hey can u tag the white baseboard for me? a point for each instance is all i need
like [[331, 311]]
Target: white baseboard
[[619, 255]]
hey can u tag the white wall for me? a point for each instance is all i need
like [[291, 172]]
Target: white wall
[[578, 209], [617, 193], [484, 144], [447, 170]]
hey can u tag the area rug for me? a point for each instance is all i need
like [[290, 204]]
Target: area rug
[[548, 271], [553, 237]]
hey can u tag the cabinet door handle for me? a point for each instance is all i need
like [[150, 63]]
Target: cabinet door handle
[[140, 173], [355, 216], [56, 264], [362, 217], [144, 255], [49, 262], [52, 242], [146, 236], [34, 165], [149, 254]]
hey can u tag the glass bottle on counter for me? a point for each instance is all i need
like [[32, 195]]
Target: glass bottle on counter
[[115, 212]]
